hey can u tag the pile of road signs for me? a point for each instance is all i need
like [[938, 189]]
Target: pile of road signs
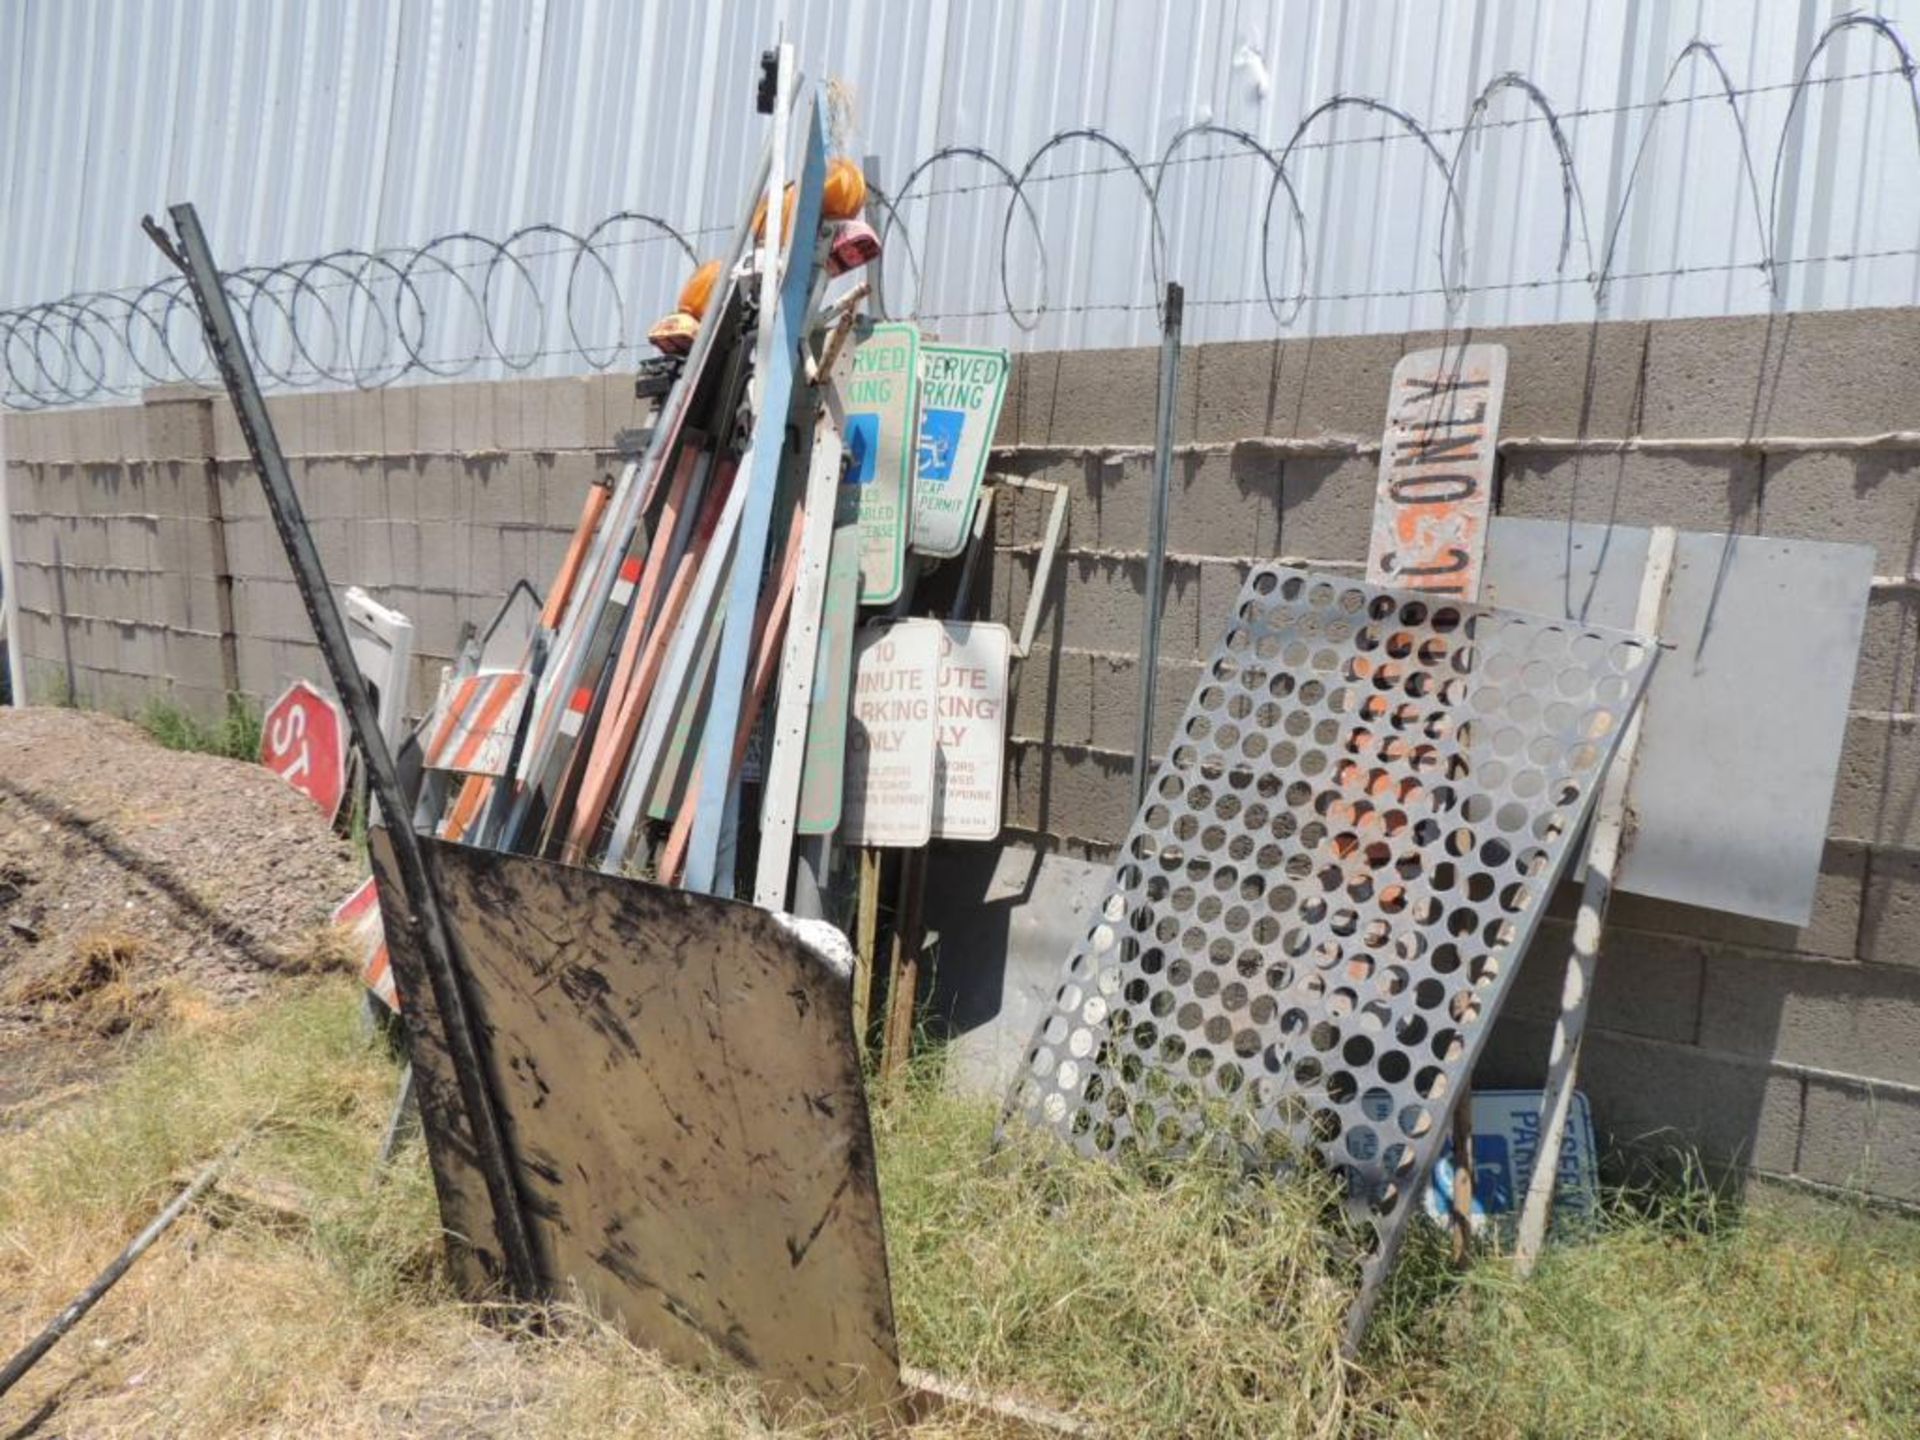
[[698, 701]]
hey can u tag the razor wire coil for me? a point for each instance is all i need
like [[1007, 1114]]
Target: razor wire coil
[[362, 319]]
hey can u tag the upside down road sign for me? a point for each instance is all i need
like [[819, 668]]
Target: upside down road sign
[[303, 740]]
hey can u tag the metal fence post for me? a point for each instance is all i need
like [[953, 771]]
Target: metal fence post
[[1157, 535]]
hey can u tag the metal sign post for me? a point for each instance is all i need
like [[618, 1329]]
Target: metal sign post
[[492, 1155], [10, 586], [1157, 536]]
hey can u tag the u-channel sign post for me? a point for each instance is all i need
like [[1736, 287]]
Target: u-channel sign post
[[1436, 470], [961, 390]]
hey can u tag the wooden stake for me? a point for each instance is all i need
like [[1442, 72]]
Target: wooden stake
[[866, 941], [1607, 843]]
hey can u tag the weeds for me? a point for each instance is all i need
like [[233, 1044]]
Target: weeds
[[236, 735], [1161, 1300]]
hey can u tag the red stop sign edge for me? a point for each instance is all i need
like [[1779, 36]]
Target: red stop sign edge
[[278, 761]]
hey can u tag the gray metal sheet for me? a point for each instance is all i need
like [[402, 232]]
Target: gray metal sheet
[[1324, 900], [1745, 720]]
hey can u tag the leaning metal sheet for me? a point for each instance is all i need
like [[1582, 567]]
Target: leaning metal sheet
[[1316, 915], [681, 1088], [1765, 634]]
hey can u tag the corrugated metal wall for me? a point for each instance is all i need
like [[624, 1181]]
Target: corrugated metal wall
[[336, 130]]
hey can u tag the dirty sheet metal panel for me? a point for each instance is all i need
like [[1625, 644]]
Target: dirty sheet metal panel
[[1740, 747], [681, 1086], [1320, 908], [1436, 470]]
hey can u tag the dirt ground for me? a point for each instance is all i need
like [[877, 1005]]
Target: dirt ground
[[135, 880]]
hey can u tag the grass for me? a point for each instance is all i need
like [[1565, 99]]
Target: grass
[[1167, 1301], [236, 735]]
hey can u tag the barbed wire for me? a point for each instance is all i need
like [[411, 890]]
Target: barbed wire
[[363, 318]]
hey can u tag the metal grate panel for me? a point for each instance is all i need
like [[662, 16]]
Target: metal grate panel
[[1338, 867]]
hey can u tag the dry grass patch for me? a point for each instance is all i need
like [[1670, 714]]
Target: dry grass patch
[[1169, 1301]]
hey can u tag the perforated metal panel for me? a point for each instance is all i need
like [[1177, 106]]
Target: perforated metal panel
[[1337, 870]]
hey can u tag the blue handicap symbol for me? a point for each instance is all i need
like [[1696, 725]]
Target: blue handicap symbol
[[939, 442], [863, 443]]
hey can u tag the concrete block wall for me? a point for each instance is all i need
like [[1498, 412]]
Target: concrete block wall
[[136, 525], [147, 563], [1793, 1052]]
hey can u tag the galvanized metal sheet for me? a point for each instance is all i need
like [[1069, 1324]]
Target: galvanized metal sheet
[[1741, 742], [680, 1084], [1340, 863]]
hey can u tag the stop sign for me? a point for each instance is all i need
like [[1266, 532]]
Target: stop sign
[[303, 740]]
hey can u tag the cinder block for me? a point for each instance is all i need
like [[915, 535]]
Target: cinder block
[[1862, 1137], [1326, 506], [373, 565], [438, 488], [1052, 699], [1659, 1099], [562, 480], [398, 430], [1070, 793], [256, 664], [403, 537], [1221, 503], [1116, 711], [493, 492], [1100, 602], [1562, 379], [1831, 932], [177, 426], [1888, 674], [573, 418], [1309, 387], [366, 421], [618, 407], [238, 486], [1220, 586], [510, 418], [334, 540], [1695, 492], [132, 540], [229, 443], [328, 425], [194, 660], [1862, 1019], [106, 489], [1645, 985], [436, 623], [1877, 795], [289, 414], [473, 417], [1710, 377], [1090, 397], [1869, 498], [443, 555], [1890, 923], [370, 482], [434, 418]]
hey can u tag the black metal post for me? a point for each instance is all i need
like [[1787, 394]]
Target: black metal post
[[423, 902]]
